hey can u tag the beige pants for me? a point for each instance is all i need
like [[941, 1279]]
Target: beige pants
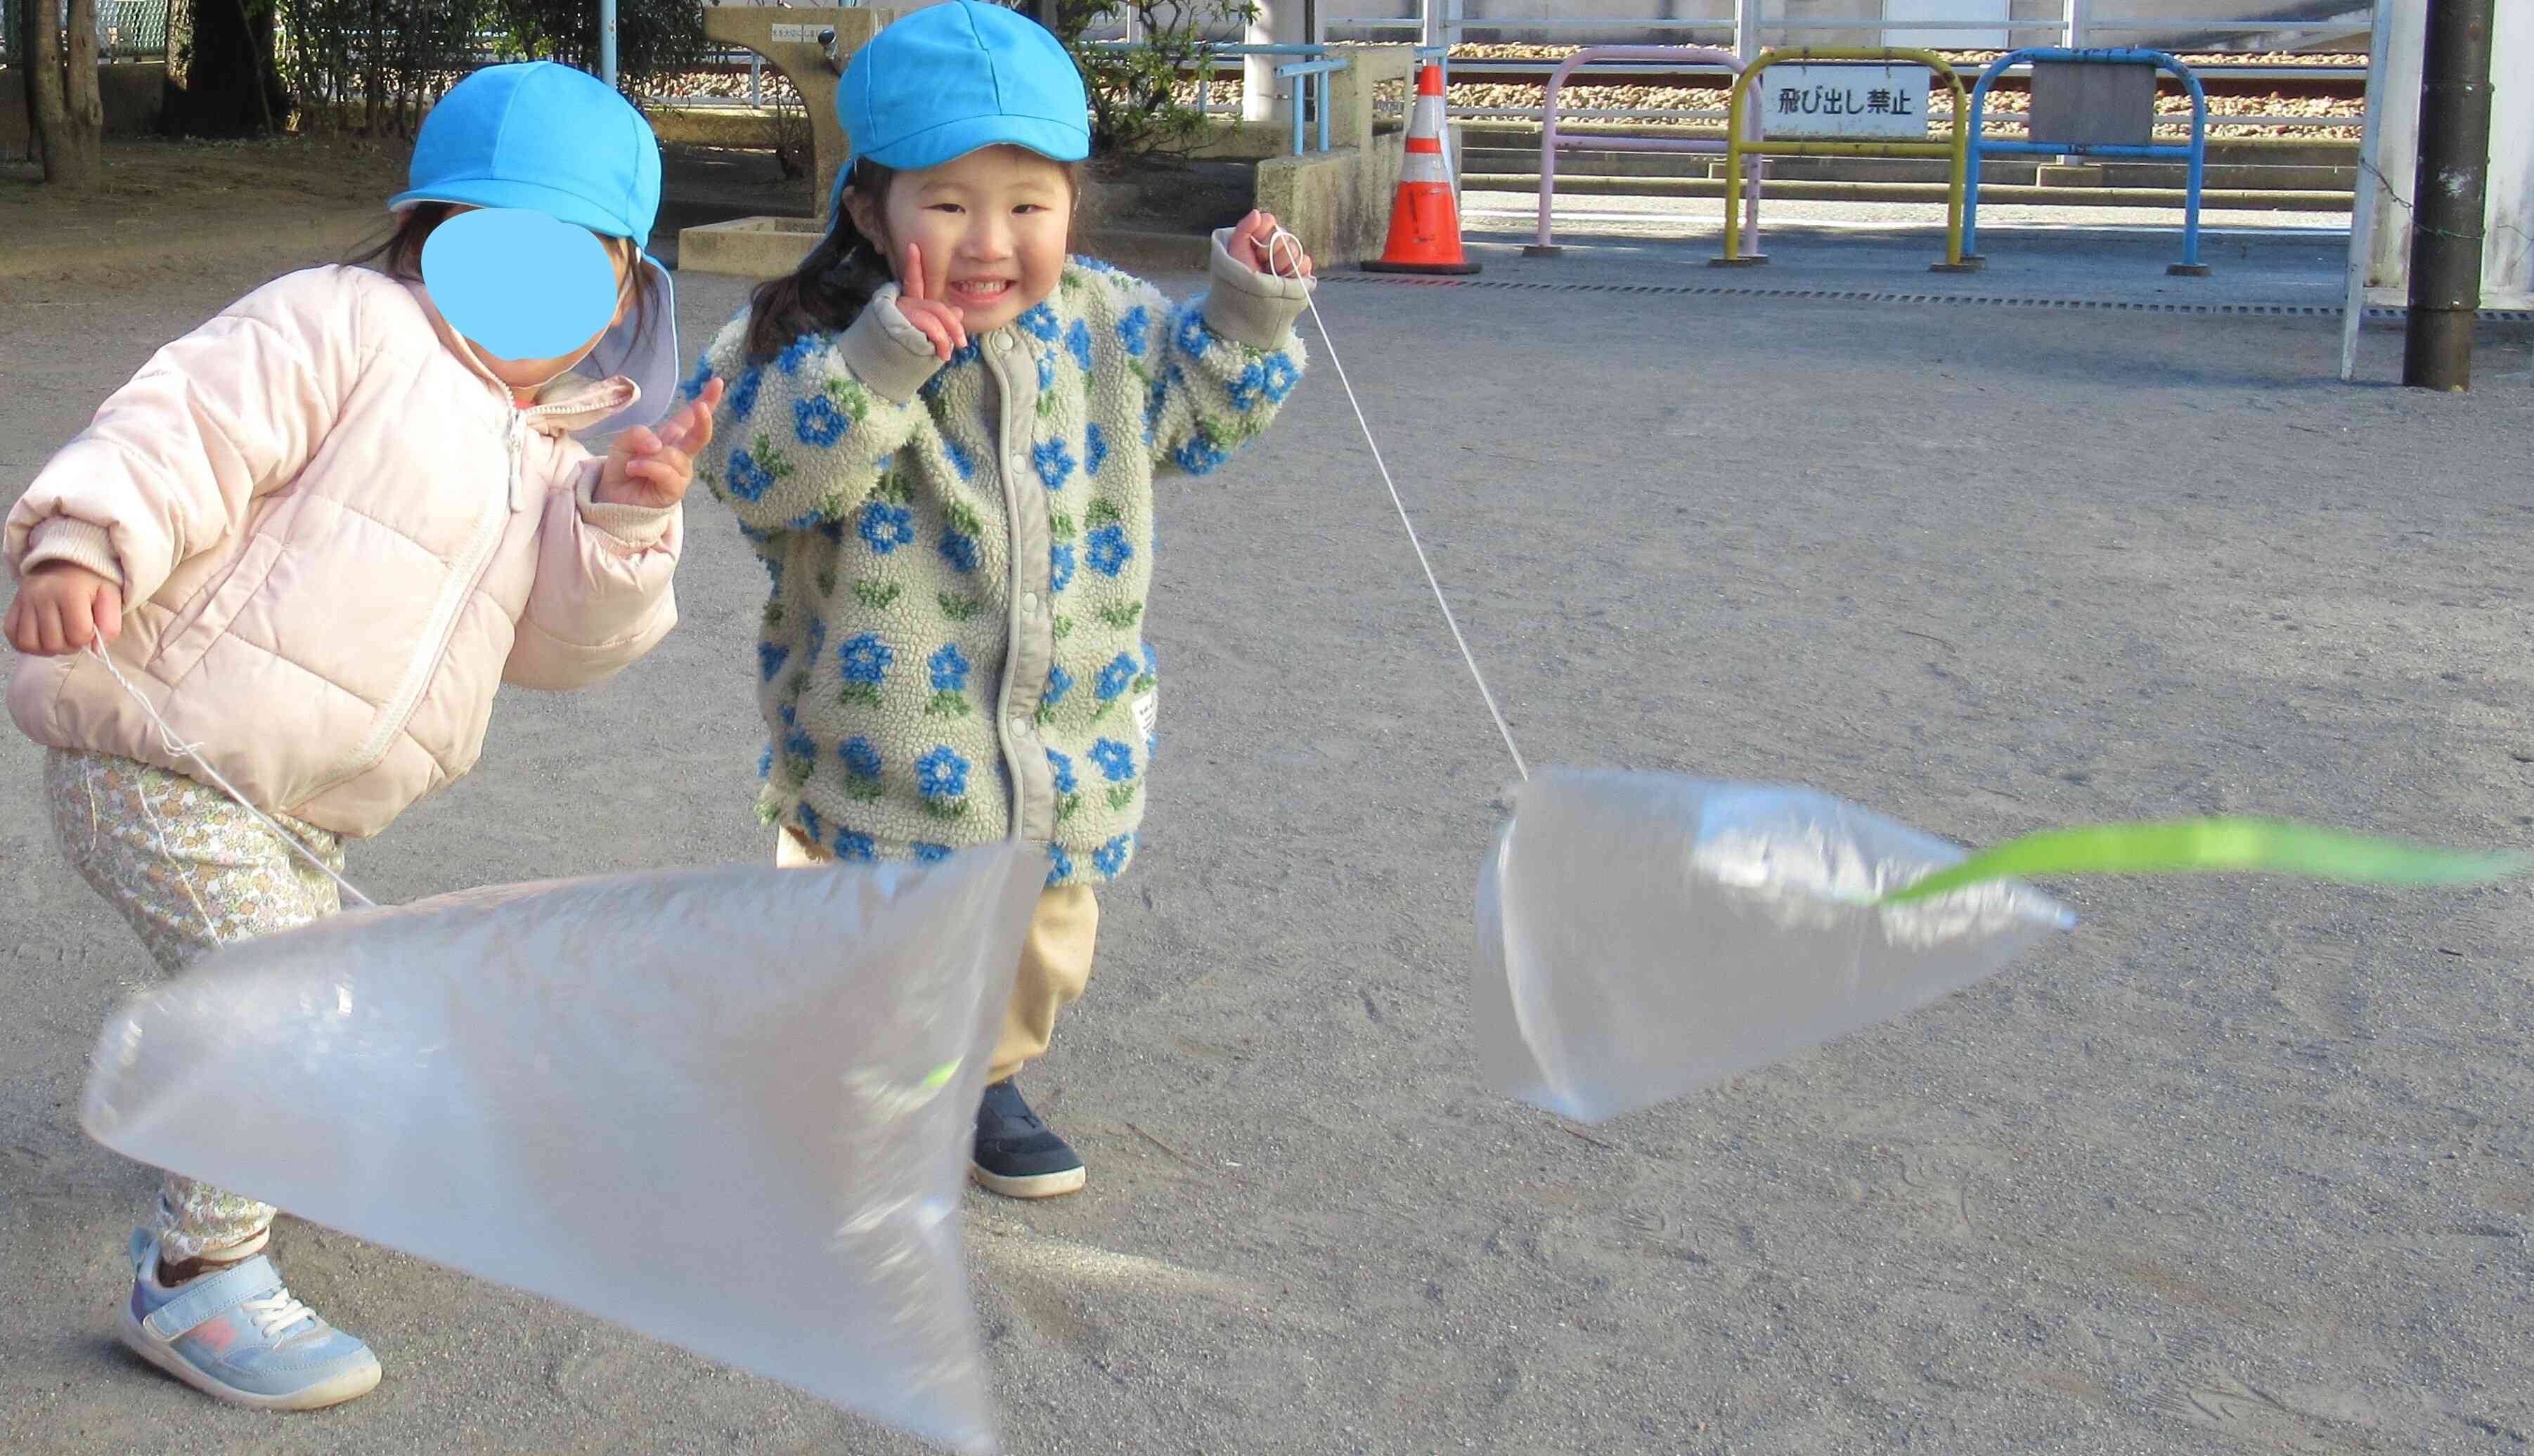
[[1055, 960]]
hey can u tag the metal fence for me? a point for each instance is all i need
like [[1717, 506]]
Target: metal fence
[[126, 30], [1749, 25]]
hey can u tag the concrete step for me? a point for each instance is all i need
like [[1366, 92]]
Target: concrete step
[[1991, 194], [1694, 165], [1996, 172], [2222, 152], [2175, 174]]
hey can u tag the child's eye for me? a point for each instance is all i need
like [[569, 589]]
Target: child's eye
[[1026, 209], [946, 207]]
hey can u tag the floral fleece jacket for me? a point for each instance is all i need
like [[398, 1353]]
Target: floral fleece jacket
[[952, 651]]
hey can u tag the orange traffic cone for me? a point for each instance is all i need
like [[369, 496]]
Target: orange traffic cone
[[1424, 220]]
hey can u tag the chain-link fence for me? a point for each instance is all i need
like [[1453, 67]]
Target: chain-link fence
[[126, 30]]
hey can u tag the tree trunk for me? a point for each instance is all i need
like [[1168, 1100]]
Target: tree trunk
[[82, 99], [22, 45], [233, 84], [74, 155]]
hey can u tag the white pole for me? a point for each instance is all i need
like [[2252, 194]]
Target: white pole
[[2362, 213], [2507, 258], [2078, 22], [1274, 22], [607, 41]]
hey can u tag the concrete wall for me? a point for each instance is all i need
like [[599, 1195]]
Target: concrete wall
[[1337, 202], [130, 90]]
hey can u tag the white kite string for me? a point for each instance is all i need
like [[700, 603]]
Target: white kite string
[[1283, 237], [167, 740]]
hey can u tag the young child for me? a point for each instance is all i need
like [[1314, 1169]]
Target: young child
[[941, 436], [316, 533]]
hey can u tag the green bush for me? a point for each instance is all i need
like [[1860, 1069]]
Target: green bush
[[1135, 109]]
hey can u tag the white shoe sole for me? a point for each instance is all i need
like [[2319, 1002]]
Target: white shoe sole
[[357, 1381], [1040, 1185]]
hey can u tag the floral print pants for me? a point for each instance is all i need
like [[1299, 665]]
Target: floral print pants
[[190, 870]]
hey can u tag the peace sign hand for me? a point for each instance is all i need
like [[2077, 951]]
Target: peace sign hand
[[654, 467], [939, 318]]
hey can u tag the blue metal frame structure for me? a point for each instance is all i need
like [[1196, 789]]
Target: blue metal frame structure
[[2195, 153]]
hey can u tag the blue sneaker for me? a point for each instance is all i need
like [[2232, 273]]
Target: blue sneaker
[[238, 1335]]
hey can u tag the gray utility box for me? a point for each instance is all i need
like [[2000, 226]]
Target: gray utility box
[[2093, 103]]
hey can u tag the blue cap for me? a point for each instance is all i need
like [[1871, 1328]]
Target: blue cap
[[952, 78], [544, 137]]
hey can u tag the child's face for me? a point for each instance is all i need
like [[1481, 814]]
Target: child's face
[[523, 375], [991, 226]]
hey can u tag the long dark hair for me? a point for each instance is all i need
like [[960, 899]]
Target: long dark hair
[[834, 284], [400, 256]]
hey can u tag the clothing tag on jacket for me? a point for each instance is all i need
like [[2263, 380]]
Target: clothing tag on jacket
[[1148, 711]]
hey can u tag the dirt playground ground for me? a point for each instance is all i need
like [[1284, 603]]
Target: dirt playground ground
[[2238, 1166]]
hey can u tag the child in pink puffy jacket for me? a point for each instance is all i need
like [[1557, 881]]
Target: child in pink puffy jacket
[[317, 534]]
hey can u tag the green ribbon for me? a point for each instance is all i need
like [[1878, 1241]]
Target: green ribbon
[[2219, 845]]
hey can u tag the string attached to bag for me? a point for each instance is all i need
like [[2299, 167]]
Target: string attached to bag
[[1282, 237], [2197, 846], [177, 748]]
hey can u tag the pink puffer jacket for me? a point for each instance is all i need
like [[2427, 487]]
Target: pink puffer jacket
[[337, 537]]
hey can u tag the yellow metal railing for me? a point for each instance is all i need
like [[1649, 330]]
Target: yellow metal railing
[[1954, 149]]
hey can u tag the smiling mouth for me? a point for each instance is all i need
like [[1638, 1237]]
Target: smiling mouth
[[981, 290]]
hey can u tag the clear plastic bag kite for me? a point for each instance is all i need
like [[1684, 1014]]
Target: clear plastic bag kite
[[1642, 935], [728, 1108]]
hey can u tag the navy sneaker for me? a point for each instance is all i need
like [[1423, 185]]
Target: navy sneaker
[[1016, 1154]]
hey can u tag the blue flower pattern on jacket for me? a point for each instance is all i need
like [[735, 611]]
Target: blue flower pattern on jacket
[[887, 527], [817, 420], [942, 776]]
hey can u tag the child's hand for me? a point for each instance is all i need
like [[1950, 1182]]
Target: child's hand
[[654, 469], [1254, 242], [937, 316], [63, 607]]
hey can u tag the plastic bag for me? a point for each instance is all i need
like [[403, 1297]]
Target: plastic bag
[[728, 1108], [1642, 935]]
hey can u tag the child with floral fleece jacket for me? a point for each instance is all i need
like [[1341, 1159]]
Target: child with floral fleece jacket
[[952, 490]]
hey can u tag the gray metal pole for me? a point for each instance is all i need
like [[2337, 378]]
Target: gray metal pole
[[607, 41], [2448, 196]]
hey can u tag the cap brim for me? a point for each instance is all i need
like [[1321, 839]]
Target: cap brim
[[1052, 139], [649, 357], [495, 191]]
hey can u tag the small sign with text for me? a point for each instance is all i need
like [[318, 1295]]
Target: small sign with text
[[1842, 102]]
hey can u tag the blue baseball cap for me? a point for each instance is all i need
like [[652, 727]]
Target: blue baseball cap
[[955, 77], [543, 138]]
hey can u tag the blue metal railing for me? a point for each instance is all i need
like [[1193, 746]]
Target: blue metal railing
[[1319, 72], [1213, 53], [2196, 152]]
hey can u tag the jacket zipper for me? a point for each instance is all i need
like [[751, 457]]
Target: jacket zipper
[[442, 624]]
